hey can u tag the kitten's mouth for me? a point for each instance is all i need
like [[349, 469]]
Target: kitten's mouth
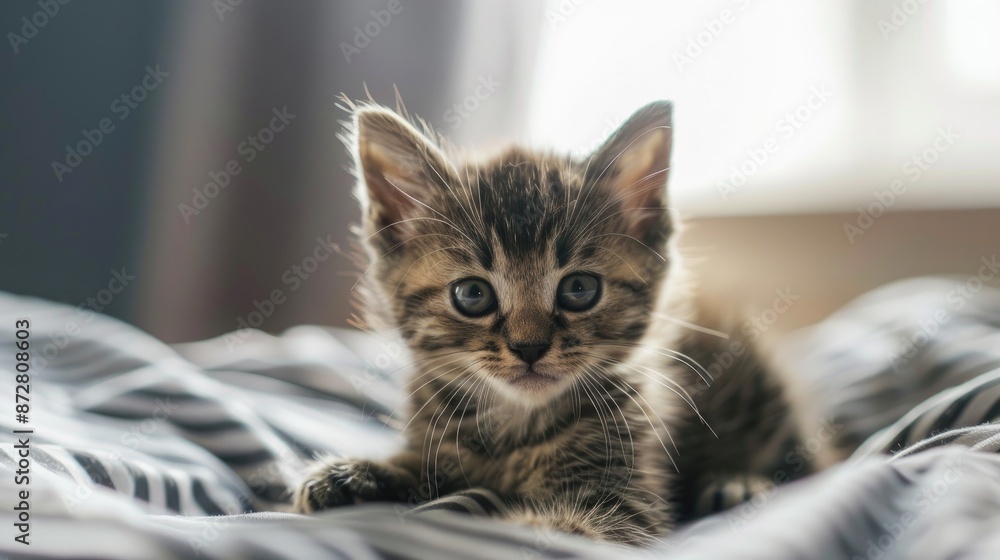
[[530, 378]]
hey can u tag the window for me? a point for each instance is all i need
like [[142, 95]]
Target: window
[[785, 106]]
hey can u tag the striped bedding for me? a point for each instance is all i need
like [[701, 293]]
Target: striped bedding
[[142, 450]]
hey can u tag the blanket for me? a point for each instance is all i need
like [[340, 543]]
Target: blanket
[[115, 445]]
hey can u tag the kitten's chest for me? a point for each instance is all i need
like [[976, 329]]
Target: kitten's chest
[[525, 470], [545, 458]]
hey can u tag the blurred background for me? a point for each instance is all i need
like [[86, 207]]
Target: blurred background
[[177, 165]]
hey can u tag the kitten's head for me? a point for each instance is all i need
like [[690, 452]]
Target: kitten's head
[[525, 273]]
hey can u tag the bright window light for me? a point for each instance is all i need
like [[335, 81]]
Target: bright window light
[[735, 69], [973, 43]]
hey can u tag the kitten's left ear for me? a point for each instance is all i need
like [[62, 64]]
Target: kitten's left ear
[[634, 163], [400, 168]]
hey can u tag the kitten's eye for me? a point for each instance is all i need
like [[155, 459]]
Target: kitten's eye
[[473, 297], [578, 292]]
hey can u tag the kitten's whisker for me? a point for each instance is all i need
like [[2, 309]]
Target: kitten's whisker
[[627, 192], [648, 419], [628, 456], [605, 426], [433, 429], [683, 393], [661, 379], [631, 452], [487, 415], [614, 160], [691, 326], [622, 211], [403, 221], [478, 208], [414, 263], [596, 390], [419, 360], [430, 431], [660, 376], [439, 408], [436, 393], [451, 191], [668, 353], [472, 211], [443, 217], [414, 379], [641, 279], [397, 246], [613, 380], [480, 415], [651, 250], [426, 383], [600, 418], [458, 428], [680, 391], [576, 398]]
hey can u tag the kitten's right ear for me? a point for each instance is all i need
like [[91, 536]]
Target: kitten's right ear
[[399, 167]]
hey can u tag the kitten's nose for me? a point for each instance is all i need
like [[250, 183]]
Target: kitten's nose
[[530, 352]]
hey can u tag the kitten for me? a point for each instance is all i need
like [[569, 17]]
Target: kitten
[[544, 305]]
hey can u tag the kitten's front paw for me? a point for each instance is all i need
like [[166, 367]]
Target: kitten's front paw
[[342, 482], [727, 492]]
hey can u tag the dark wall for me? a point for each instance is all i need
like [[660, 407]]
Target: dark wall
[[62, 239], [117, 206]]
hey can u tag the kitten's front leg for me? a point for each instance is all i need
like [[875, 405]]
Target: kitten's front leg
[[340, 482]]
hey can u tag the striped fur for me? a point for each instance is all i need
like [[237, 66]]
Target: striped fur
[[593, 441]]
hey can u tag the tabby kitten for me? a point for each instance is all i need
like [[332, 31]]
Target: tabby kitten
[[547, 321]]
